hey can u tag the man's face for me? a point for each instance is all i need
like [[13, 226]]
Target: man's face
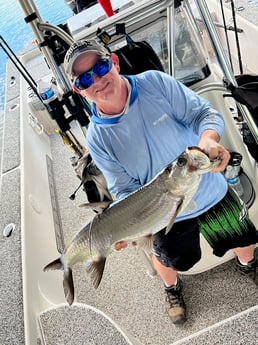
[[103, 88]]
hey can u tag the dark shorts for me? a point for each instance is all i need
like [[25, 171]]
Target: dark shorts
[[225, 226]]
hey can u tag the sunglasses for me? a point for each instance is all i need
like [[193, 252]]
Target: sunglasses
[[101, 68]]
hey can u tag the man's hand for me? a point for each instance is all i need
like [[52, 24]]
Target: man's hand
[[210, 145]]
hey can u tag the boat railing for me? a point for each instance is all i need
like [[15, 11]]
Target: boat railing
[[136, 14], [32, 16], [223, 62], [217, 93]]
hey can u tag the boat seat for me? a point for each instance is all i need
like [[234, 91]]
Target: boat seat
[[137, 57], [88, 325]]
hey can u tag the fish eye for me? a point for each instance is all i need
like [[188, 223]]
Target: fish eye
[[181, 161]]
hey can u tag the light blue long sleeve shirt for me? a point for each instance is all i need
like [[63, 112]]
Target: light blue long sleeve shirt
[[164, 118]]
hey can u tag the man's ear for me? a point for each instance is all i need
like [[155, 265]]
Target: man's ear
[[115, 61]]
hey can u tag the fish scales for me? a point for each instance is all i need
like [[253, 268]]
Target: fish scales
[[147, 207], [143, 212]]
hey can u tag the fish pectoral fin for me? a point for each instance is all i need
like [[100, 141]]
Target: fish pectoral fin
[[96, 269], [99, 207], [190, 207], [174, 211], [68, 286], [145, 243], [170, 224]]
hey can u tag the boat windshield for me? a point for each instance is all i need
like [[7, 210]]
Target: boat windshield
[[190, 61], [172, 33]]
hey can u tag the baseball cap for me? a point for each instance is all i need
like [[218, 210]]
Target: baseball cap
[[77, 49]]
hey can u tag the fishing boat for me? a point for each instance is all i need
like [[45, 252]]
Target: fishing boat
[[42, 158]]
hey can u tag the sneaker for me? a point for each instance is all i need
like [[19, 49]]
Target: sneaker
[[250, 270], [175, 304]]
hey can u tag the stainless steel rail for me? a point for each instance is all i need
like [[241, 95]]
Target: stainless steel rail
[[133, 15], [223, 61], [29, 9], [170, 40]]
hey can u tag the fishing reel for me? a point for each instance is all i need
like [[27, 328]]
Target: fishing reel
[[92, 180]]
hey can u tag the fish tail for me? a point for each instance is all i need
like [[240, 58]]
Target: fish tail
[[68, 278], [54, 265], [68, 286]]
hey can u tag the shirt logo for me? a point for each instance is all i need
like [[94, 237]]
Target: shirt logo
[[160, 119]]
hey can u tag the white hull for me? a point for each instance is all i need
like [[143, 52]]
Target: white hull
[[44, 196]]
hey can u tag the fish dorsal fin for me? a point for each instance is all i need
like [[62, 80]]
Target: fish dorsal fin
[[96, 269], [174, 211], [99, 207]]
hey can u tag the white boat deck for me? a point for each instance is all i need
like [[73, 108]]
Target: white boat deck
[[221, 304]]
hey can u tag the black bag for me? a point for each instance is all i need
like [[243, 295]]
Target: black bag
[[137, 57], [247, 93]]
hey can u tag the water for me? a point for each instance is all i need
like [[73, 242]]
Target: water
[[18, 34]]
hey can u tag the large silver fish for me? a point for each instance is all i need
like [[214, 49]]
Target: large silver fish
[[142, 213]]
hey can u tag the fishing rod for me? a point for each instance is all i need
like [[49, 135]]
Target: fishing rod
[[236, 37], [226, 34], [71, 141], [19, 66]]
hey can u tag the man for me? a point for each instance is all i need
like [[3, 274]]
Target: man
[[139, 125]]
